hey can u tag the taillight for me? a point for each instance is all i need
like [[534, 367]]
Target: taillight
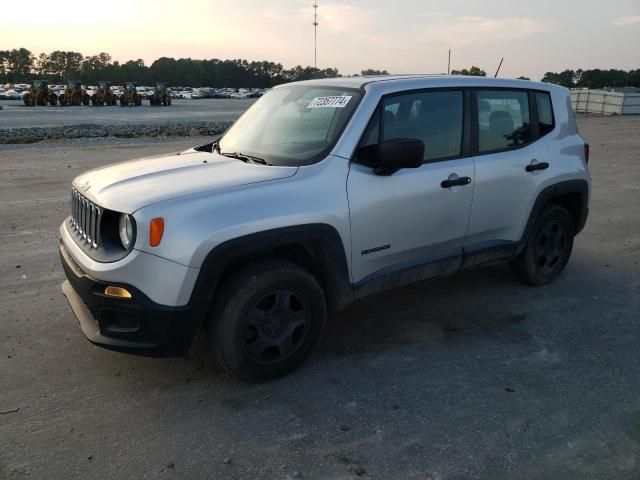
[[586, 153]]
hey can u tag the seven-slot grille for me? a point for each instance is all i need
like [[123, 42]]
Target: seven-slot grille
[[85, 219]]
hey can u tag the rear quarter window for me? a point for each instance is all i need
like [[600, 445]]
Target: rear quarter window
[[545, 112]]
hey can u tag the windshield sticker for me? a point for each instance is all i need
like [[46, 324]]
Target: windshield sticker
[[329, 102]]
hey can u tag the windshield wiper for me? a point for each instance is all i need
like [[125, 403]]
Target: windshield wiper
[[245, 158]]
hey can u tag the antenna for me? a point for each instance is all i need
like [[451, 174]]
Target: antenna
[[498, 67], [315, 35]]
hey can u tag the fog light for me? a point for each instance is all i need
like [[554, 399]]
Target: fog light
[[116, 292]]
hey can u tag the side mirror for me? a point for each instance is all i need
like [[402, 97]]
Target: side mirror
[[399, 153]]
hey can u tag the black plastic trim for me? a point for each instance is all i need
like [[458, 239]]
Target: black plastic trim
[[481, 253], [323, 241], [547, 195], [409, 272], [160, 331], [110, 248]]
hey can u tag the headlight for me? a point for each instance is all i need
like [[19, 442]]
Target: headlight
[[125, 229]]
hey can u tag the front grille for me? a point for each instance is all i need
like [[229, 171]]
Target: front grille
[[85, 219]]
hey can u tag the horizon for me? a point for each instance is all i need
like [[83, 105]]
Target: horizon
[[367, 35]]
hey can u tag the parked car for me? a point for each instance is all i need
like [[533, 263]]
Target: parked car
[[323, 193]]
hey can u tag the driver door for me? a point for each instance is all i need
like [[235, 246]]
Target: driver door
[[410, 226]]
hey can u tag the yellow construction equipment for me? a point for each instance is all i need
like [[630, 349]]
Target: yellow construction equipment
[[104, 95], [161, 95], [39, 94], [130, 95], [74, 94]]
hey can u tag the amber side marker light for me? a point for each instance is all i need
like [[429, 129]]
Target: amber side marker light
[[118, 292], [156, 230]]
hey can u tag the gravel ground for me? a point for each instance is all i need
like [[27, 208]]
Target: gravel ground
[[16, 115], [471, 377], [36, 134]]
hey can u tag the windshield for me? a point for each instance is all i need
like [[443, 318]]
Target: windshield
[[292, 125]]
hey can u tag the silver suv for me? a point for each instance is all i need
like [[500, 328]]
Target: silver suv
[[322, 193]]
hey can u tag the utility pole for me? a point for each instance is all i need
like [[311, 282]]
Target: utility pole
[[315, 35], [449, 64]]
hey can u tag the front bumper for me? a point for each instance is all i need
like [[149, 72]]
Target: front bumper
[[137, 325]]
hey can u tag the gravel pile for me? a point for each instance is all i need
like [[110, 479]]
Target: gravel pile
[[33, 135]]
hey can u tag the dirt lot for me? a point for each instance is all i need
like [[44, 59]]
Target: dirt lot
[[472, 377], [15, 115]]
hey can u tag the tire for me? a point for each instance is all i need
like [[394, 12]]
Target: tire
[[123, 102], [249, 336], [548, 248]]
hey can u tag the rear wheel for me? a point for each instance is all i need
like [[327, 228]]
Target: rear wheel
[[268, 319], [548, 248]]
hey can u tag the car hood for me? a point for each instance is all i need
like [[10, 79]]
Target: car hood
[[129, 186]]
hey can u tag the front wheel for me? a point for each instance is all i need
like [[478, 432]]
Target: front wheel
[[268, 319], [548, 248]]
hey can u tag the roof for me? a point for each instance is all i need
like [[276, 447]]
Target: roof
[[402, 82]]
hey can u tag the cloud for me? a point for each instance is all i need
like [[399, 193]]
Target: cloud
[[627, 20], [336, 17], [475, 30]]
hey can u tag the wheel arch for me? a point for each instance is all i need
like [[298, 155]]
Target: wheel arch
[[572, 195], [315, 247]]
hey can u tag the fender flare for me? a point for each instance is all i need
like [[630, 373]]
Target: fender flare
[[323, 240], [580, 187]]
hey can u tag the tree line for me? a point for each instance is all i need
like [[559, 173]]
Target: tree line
[[21, 66], [595, 78]]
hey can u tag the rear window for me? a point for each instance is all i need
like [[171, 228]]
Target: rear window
[[503, 118]]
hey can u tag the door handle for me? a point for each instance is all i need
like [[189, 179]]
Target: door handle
[[532, 167], [455, 182]]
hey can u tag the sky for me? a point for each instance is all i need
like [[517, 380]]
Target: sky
[[401, 36]]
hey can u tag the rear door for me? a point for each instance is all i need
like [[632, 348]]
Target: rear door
[[511, 165], [404, 222]]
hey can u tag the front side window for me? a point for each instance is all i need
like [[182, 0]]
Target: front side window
[[292, 125], [436, 118], [503, 119]]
